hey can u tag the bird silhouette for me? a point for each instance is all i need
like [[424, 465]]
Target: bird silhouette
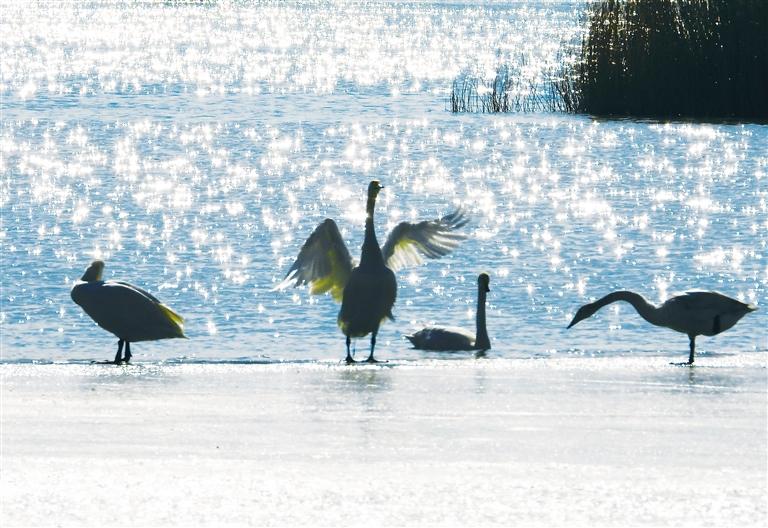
[[127, 311], [693, 313], [440, 338], [367, 291]]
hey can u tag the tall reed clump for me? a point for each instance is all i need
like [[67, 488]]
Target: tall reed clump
[[672, 58]]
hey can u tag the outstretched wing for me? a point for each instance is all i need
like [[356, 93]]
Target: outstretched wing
[[409, 243], [323, 262]]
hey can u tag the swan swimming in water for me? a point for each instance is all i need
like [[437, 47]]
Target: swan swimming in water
[[127, 311], [448, 338], [368, 291], [693, 313]]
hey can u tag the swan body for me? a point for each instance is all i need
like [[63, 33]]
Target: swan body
[[693, 313], [125, 310], [440, 338], [367, 291]]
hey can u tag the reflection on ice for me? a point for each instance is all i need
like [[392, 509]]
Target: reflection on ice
[[564, 441]]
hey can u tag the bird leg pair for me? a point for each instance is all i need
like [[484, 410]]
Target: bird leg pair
[[349, 360], [119, 358]]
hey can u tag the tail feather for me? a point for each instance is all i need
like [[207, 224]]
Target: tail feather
[[173, 317]]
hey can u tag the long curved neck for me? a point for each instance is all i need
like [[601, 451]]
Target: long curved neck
[[371, 255], [646, 310], [481, 336]]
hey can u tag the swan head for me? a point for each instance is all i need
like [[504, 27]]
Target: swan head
[[373, 189], [93, 272], [483, 282], [582, 313]]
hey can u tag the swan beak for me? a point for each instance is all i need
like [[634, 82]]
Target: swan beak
[[573, 322], [751, 307]]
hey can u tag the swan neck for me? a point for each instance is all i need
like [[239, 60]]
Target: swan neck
[[371, 254], [482, 342], [645, 309]]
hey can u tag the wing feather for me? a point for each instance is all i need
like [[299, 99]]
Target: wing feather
[[409, 243], [323, 262]]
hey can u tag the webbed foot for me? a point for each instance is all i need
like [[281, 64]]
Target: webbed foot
[[371, 359]]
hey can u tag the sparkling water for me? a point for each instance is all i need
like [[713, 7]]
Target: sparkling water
[[194, 147]]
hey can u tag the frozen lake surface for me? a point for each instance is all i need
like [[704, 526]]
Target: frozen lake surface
[[565, 442]]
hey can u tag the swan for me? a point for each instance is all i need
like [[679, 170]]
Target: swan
[[127, 311], [693, 313], [367, 291], [448, 338]]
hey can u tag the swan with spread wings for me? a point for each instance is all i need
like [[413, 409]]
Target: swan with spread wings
[[368, 290]]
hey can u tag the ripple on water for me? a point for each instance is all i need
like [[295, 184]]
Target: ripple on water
[[194, 148]]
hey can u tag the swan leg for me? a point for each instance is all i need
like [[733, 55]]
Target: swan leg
[[693, 349], [119, 355], [127, 355], [371, 359], [349, 359], [692, 344]]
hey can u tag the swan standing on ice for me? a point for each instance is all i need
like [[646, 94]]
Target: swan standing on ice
[[693, 313], [448, 338], [367, 291], [127, 311]]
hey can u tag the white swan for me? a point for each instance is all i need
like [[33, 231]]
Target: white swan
[[127, 311], [448, 338], [693, 313], [367, 291]]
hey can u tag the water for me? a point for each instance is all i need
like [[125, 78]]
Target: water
[[195, 147]]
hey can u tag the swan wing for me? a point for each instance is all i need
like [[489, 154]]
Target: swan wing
[[166, 310], [130, 286], [409, 243], [442, 339], [128, 311], [708, 302], [323, 262], [703, 312]]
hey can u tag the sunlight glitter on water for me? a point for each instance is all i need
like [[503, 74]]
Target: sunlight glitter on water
[[195, 148]]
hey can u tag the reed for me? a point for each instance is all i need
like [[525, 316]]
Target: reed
[[508, 91], [671, 58]]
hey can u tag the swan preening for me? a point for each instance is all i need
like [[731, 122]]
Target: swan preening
[[127, 311], [693, 313], [448, 339], [368, 291]]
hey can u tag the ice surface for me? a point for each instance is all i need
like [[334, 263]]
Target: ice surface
[[582, 441]]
